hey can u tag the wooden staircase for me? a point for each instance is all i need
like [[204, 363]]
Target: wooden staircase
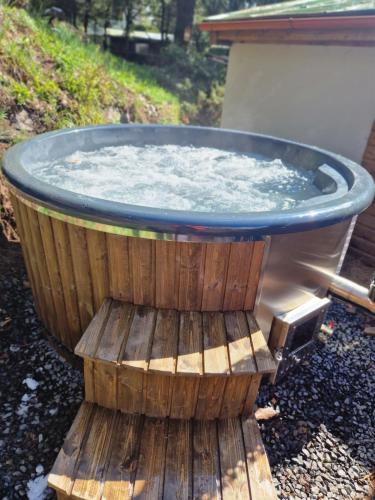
[[185, 384]]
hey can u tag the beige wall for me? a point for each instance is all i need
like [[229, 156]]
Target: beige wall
[[314, 94]]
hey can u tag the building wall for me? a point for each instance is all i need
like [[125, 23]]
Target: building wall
[[321, 95]]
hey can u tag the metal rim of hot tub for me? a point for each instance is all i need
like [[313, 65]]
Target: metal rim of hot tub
[[153, 223]]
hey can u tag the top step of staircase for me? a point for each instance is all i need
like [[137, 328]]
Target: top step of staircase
[[167, 341]]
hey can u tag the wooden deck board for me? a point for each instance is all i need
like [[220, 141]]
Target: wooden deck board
[[264, 359], [190, 344], [150, 470], [61, 477], [122, 466], [166, 341], [239, 344], [234, 479], [206, 465], [92, 460], [111, 456], [260, 479], [137, 349], [178, 477], [89, 342]]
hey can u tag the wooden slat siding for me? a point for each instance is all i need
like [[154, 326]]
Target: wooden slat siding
[[206, 467], [120, 276], [367, 219], [25, 252], [166, 274], [127, 273], [61, 477], [254, 275], [184, 397], [215, 274], [138, 346], [64, 258], [232, 460], [61, 496], [40, 261], [239, 345], [363, 240], [162, 361], [130, 391], [237, 277], [252, 394], [93, 458], [164, 344], [178, 476], [105, 385], [363, 244], [371, 210], [260, 479], [210, 397], [263, 357], [235, 394], [157, 395], [364, 231], [89, 342], [88, 372], [97, 251], [82, 275], [122, 466], [150, 470], [192, 258], [54, 276], [360, 254], [115, 332], [142, 262], [215, 352], [28, 243], [190, 344]]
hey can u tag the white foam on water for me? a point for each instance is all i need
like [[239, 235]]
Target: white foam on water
[[180, 178]]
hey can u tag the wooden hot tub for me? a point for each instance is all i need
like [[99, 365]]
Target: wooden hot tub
[[166, 296]]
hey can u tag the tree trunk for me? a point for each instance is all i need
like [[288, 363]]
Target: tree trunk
[[86, 16], [184, 20]]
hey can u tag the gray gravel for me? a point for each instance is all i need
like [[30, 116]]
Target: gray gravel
[[321, 446], [323, 443], [40, 393]]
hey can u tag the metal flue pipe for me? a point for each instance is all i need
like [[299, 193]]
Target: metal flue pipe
[[348, 290]]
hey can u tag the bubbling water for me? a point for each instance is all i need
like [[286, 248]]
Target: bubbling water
[[181, 178]]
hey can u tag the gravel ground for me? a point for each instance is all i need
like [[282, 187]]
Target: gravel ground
[[321, 446]]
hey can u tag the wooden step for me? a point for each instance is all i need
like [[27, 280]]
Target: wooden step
[[109, 455], [182, 343], [168, 363]]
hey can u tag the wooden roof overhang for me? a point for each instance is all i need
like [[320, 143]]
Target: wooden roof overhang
[[357, 30]]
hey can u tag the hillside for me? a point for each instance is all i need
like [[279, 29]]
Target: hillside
[[50, 79]]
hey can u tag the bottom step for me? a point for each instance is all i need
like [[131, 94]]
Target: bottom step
[[111, 455]]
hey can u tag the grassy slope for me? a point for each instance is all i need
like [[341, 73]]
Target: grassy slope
[[59, 81]]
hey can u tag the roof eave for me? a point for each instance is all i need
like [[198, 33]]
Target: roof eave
[[292, 23]]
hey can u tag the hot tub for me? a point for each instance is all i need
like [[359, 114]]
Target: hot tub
[[80, 248]]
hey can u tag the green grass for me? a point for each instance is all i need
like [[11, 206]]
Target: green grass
[[62, 82]]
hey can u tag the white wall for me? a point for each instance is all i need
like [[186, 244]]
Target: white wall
[[321, 95]]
